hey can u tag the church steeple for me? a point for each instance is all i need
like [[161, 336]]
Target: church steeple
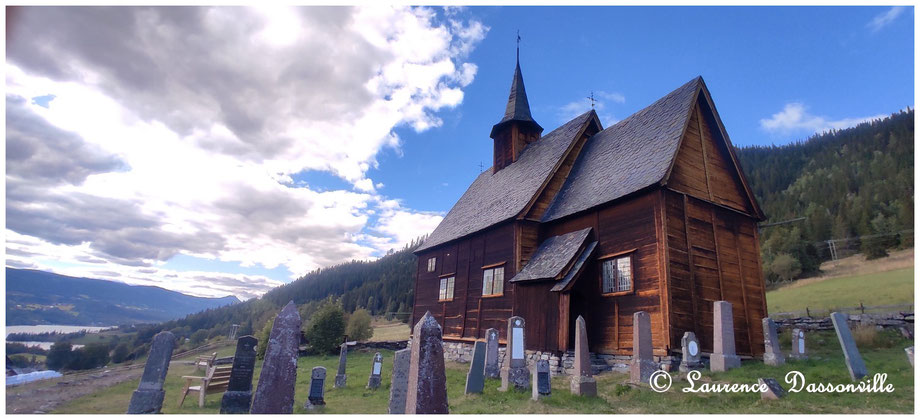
[[517, 128]]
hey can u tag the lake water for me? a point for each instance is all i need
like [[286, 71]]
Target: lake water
[[39, 329]]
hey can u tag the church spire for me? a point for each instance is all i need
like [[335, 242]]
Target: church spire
[[517, 128]]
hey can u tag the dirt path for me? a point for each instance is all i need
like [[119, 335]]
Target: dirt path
[[44, 396]]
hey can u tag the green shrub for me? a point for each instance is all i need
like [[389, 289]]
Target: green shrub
[[359, 326], [263, 338], [326, 328]]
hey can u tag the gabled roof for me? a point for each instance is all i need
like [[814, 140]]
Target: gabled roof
[[494, 198], [630, 155], [553, 256], [518, 108]]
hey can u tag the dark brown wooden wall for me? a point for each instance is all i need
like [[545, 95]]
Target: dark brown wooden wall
[[628, 225], [460, 317]]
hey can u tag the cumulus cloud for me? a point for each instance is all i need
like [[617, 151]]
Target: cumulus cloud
[[138, 133], [795, 118], [885, 18]]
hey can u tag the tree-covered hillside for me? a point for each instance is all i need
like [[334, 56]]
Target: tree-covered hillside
[[854, 182]]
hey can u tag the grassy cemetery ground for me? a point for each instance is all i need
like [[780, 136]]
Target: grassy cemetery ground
[[844, 282], [882, 351]]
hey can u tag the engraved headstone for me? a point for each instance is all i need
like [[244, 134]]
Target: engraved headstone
[[690, 349], [642, 365], [275, 392], [514, 372], [340, 378], [399, 382], [798, 345], [541, 385], [427, 391], [773, 355], [772, 390], [475, 378], [373, 381], [910, 354], [492, 370], [854, 361], [148, 398], [238, 397], [317, 394], [723, 355], [582, 382]]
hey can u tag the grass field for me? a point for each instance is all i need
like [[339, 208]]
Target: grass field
[[390, 331], [885, 288], [825, 365]]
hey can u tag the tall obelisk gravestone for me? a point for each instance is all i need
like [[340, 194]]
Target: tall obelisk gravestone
[[853, 359], [514, 372], [399, 382], [475, 378], [723, 355], [427, 378], [492, 370], [148, 398], [275, 393], [582, 382], [238, 398], [773, 355], [340, 377], [642, 364]]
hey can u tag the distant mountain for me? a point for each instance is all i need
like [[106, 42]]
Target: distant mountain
[[37, 297]]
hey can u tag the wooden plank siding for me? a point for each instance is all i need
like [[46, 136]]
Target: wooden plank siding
[[630, 224]]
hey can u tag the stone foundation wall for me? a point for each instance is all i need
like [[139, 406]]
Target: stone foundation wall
[[890, 320], [558, 364]]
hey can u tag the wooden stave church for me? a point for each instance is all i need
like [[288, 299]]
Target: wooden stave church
[[676, 206]]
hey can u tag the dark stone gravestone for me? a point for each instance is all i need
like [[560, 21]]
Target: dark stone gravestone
[[317, 393], [148, 398], [773, 390], [853, 359], [798, 345], [514, 372], [723, 355], [690, 349], [492, 370], [238, 397], [541, 385], [475, 378], [583, 382], [275, 393], [773, 355], [642, 364], [340, 377], [427, 391], [399, 382], [373, 381]]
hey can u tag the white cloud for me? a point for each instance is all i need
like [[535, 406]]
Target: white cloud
[[884, 19], [178, 130], [601, 99], [795, 118]]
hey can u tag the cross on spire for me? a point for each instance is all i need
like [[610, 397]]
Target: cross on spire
[[592, 99], [519, 45]]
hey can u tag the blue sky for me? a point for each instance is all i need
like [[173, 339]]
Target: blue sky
[[169, 147]]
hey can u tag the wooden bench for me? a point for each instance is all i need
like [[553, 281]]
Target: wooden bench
[[214, 382], [205, 361]]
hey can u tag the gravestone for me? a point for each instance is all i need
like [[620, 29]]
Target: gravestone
[[773, 355], [373, 382], [772, 391], [238, 397], [582, 382], [399, 382], [275, 392], [514, 372], [427, 390], [475, 378], [541, 384], [148, 398], [317, 394], [642, 365], [690, 349], [723, 355], [340, 378], [492, 370], [798, 345], [910, 354], [854, 361]]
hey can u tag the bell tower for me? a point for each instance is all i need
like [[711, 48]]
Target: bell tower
[[517, 128]]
